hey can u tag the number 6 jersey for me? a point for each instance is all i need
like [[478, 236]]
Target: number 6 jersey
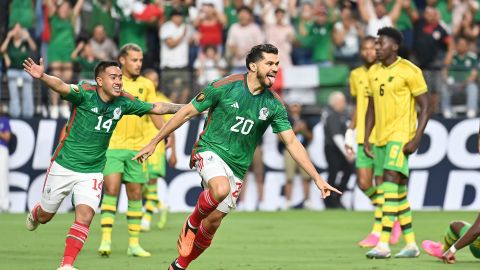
[[236, 120], [394, 89], [90, 127]]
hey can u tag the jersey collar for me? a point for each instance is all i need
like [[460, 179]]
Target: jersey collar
[[393, 64]]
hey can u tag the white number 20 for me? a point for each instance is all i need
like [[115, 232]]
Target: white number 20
[[106, 125], [246, 127]]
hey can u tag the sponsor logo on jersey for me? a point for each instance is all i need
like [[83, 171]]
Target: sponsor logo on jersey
[[95, 110], [263, 113], [117, 113], [200, 97], [235, 105]]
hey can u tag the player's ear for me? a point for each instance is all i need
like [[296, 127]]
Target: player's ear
[[253, 67], [99, 81], [121, 60]]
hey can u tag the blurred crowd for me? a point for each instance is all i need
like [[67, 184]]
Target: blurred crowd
[[193, 42]]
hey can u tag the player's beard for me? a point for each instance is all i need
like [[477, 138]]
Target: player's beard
[[265, 80]]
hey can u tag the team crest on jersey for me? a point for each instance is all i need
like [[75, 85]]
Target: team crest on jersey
[[140, 90], [200, 97], [117, 113], [263, 113], [390, 79]]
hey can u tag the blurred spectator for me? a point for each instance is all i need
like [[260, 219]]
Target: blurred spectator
[[21, 11], [218, 5], [269, 10], [375, 15], [445, 8], [133, 31], [461, 75], [467, 28], [346, 35], [5, 135], [319, 39], [304, 135], [84, 56], [231, 11], [241, 37], [432, 49], [209, 24], [62, 43], [209, 66], [17, 47], [281, 35], [459, 8], [175, 36], [177, 5], [404, 23], [338, 160], [301, 53], [102, 46], [102, 15]]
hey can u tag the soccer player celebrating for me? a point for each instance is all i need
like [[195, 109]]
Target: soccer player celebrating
[[396, 87], [78, 161], [459, 235], [126, 140], [240, 108], [367, 167]]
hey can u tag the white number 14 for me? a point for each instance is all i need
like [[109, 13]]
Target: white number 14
[[106, 125]]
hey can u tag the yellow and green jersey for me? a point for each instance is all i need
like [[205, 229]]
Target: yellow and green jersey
[[129, 133], [151, 131], [236, 121], [90, 126], [359, 85], [394, 89]]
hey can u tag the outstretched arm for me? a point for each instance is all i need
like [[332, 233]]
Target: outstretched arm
[[299, 154], [166, 108], [183, 115], [471, 235], [37, 71]]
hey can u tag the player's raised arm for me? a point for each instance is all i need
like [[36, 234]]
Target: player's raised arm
[[299, 154], [183, 115], [37, 71], [166, 108]]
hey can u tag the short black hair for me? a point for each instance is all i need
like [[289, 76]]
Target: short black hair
[[100, 67], [256, 53], [245, 8], [391, 33], [176, 12], [280, 10]]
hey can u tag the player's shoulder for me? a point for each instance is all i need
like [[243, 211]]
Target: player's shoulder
[[125, 96], [276, 98], [408, 66], [228, 81], [359, 71], [87, 86], [374, 68]]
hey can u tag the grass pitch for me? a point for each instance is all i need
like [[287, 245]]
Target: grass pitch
[[292, 240]]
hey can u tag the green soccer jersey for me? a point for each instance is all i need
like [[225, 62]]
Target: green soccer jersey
[[236, 120], [90, 127]]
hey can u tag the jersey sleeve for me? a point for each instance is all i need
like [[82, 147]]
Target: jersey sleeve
[[138, 107], [76, 96], [417, 83], [353, 90], [368, 90], [207, 98], [151, 94], [280, 120]]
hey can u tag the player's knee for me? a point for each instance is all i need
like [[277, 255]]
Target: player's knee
[[221, 191], [456, 226], [363, 184]]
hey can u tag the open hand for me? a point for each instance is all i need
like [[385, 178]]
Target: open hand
[[35, 70], [367, 148], [410, 147]]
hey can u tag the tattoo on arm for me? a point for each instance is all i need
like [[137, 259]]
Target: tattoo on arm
[[166, 108]]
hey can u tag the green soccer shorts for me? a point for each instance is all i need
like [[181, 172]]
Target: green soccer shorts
[[395, 160], [475, 246], [156, 165], [363, 161], [120, 161]]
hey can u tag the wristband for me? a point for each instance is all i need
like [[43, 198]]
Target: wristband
[[453, 249]]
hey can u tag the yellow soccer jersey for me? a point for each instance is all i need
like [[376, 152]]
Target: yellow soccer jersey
[[394, 89], [129, 133], [358, 88], [151, 131]]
